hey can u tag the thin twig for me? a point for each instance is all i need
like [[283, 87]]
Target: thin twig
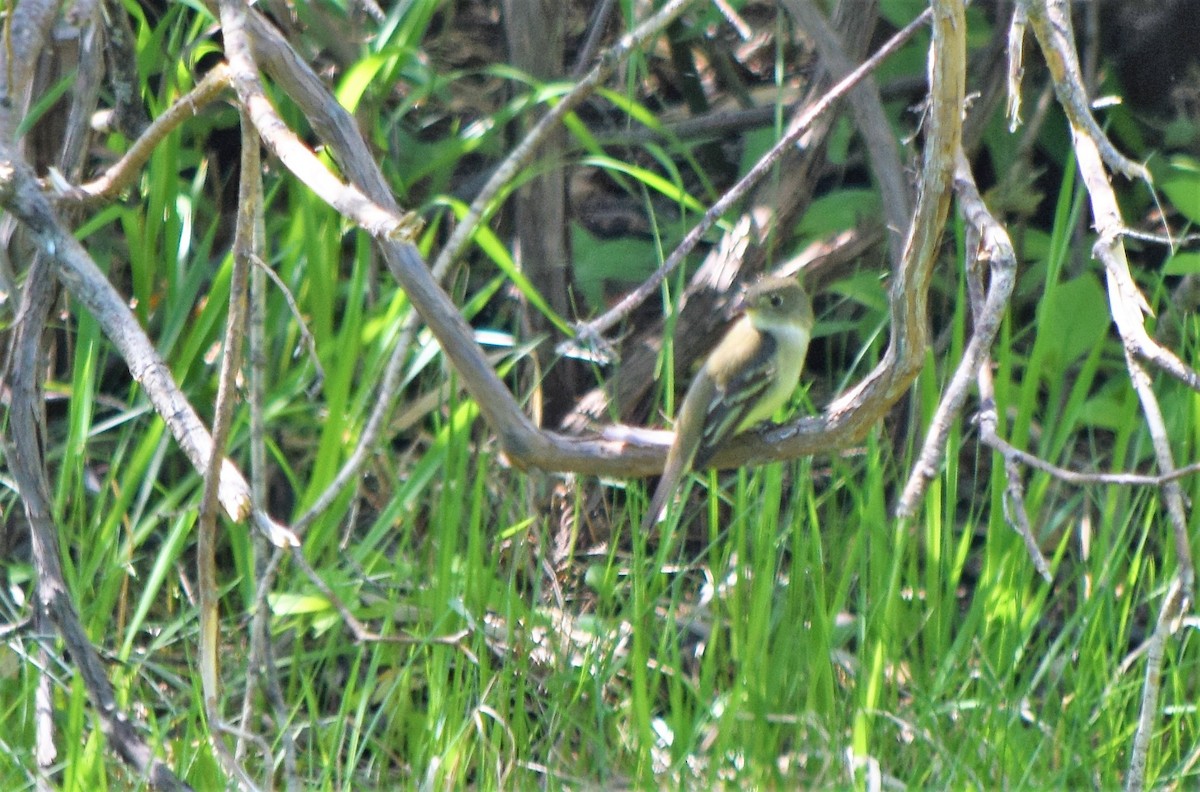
[[1078, 477], [523, 153], [261, 663], [866, 107], [589, 333], [306, 336], [121, 174], [1179, 597], [206, 530], [1162, 239], [987, 242]]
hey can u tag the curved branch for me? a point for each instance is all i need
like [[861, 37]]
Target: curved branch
[[987, 242], [849, 418], [21, 196], [122, 173], [619, 450]]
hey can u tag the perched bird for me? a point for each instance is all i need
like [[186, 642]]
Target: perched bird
[[750, 373]]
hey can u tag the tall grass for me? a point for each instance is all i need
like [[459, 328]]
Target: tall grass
[[787, 632]]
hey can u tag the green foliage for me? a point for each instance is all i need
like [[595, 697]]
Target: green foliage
[[793, 634], [1182, 186]]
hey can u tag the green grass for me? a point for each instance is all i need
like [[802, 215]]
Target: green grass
[[788, 632], [801, 627]]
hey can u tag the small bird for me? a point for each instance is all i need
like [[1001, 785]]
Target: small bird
[[750, 373]]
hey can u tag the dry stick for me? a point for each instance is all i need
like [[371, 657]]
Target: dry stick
[[381, 221], [306, 337], [1014, 489], [377, 217], [359, 630], [250, 208], [1162, 239], [1126, 305], [1076, 477], [883, 151], [21, 196], [261, 664], [589, 333], [125, 171], [341, 133], [518, 436], [987, 242], [52, 598], [1016, 66], [523, 153], [598, 23], [206, 529], [1178, 600], [1015, 513], [19, 193], [389, 228], [25, 30], [1051, 23], [380, 217], [389, 386], [35, 22]]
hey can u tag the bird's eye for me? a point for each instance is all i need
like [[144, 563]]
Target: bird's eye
[[776, 300]]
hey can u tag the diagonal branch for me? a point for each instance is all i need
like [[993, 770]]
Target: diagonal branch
[[851, 416], [52, 598], [616, 450], [21, 196]]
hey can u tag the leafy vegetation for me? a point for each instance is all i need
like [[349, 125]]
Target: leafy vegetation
[[786, 628]]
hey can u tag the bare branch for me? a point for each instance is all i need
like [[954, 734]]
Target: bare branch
[[1051, 23], [1050, 20], [121, 174], [987, 241], [867, 109], [206, 530], [51, 597], [20, 195], [590, 332]]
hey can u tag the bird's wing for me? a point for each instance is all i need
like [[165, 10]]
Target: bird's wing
[[716, 407], [732, 401]]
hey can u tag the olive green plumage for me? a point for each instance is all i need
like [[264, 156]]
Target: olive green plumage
[[746, 378]]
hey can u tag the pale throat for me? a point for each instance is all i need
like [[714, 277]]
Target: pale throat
[[792, 339]]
